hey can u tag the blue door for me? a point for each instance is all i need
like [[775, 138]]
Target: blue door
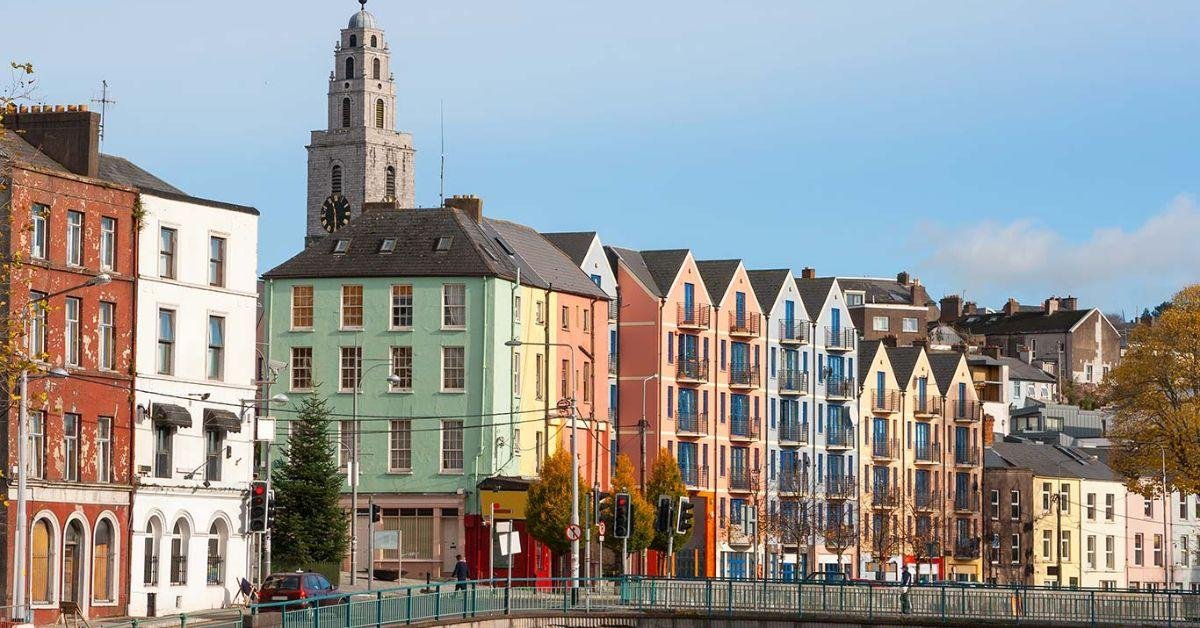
[[921, 435], [879, 376], [879, 433], [736, 565], [962, 439], [740, 357], [689, 301], [687, 462], [835, 322], [789, 572], [922, 392], [789, 319], [740, 309]]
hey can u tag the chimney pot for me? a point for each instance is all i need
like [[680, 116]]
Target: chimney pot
[[469, 204], [808, 272], [1012, 307], [902, 277], [951, 308], [1050, 306], [991, 351]]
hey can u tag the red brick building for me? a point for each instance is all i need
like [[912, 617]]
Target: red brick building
[[64, 226]]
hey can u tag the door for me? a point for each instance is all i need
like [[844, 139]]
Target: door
[[879, 435], [837, 368], [922, 440], [450, 546], [789, 319], [687, 463], [689, 302], [962, 441], [835, 324], [740, 309], [73, 564]]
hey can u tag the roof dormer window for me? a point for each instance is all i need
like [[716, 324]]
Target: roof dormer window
[[340, 247], [443, 243], [388, 245]]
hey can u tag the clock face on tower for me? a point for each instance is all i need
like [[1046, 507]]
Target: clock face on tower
[[335, 213]]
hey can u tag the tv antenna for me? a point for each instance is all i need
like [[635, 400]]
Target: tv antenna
[[442, 176], [104, 102]]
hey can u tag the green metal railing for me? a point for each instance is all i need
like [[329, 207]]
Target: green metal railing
[[942, 603]]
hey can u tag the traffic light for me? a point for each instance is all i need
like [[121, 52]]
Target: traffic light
[[683, 515], [376, 513], [3, 489], [258, 506], [600, 503], [662, 516], [270, 509], [621, 516]]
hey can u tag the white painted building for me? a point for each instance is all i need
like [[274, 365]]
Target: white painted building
[[193, 439], [1185, 537], [1102, 533]]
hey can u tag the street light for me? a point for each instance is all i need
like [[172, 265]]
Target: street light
[[391, 379], [574, 460]]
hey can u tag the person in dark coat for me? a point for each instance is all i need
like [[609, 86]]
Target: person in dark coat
[[906, 577], [462, 573]]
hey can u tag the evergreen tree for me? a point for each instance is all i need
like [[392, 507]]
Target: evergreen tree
[[642, 529], [310, 526], [548, 510], [665, 479]]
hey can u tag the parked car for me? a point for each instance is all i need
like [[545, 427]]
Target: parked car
[[298, 586]]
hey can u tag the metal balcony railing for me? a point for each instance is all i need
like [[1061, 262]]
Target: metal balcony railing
[[839, 387], [793, 431], [966, 548], [743, 375], [928, 453], [695, 317], [691, 370], [794, 332], [966, 410], [747, 325], [885, 401], [793, 481], [841, 487], [885, 448], [739, 479], [927, 407], [691, 423], [614, 308], [966, 456], [612, 363], [792, 381], [840, 339], [841, 437], [885, 497], [966, 501], [927, 500], [744, 426], [694, 476]]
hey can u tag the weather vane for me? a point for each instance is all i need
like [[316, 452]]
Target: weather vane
[[364, 4]]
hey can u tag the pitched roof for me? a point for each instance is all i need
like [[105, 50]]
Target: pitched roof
[[14, 147], [121, 170], [547, 260], [1018, 369], [575, 244], [866, 354], [636, 264], [1053, 460], [1037, 322], [943, 364], [904, 361], [717, 273], [470, 251], [814, 292], [767, 285], [880, 290], [664, 266]]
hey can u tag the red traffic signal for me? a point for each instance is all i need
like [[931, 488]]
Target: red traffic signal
[[621, 515]]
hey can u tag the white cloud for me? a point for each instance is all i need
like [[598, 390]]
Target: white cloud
[[1113, 268]]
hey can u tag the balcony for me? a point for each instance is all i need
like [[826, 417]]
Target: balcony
[[792, 382], [691, 370], [614, 308], [744, 427], [966, 549], [695, 317], [745, 326], [885, 449], [695, 476], [743, 376], [612, 364], [842, 487], [840, 437], [927, 408], [793, 432], [885, 401], [966, 411], [928, 453], [885, 497], [739, 479], [966, 456], [839, 388], [840, 339], [927, 500], [691, 423], [794, 332], [793, 482], [966, 501]]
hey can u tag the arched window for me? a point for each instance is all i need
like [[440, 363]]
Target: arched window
[[375, 69], [217, 540], [41, 564], [180, 537], [345, 113], [379, 113], [104, 554], [373, 42], [353, 41], [335, 180], [349, 68], [391, 183], [152, 543], [73, 562]]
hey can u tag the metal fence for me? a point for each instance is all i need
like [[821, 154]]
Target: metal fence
[[855, 602]]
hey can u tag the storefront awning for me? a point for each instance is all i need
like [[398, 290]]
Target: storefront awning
[[215, 419], [171, 415]]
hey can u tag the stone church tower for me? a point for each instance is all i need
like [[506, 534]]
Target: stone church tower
[[360, 157]]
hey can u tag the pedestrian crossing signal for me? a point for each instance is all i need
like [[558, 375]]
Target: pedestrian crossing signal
[[683, 515], [662, 515]]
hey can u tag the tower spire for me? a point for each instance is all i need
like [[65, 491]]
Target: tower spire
[[364, 4]]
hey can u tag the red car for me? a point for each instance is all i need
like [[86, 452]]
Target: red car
[[297, 586]]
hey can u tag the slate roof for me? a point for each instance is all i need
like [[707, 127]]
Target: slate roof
[[767, 285], [123, 171], [1053, 460], [814, 292], [1037, 322], [550, 263], [904, 361], [636, 264], [14, 147], [866, 354], [575, 244], [879, 290], [1018, 369], [943, 364], [664, 266], [717, 273]]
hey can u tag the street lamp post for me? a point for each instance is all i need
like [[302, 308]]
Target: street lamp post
[[574, 459], [20, 610], [266, 537], [353, 470]]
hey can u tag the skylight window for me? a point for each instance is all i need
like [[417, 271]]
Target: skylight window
[[443, 243], [388, 245], [504, 245], [340, 247]]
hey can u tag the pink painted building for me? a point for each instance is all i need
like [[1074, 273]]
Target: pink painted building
[[1147, 534]]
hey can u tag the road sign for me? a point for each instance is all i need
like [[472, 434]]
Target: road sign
[[387, 539], [600, 527], [573, 532], [564, 407]]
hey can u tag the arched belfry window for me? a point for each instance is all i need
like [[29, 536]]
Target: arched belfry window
[[353, 41], [375, 69], [349, 68], [335, 180], [374, 43], [345, 112], [391, 183], [379, 113]]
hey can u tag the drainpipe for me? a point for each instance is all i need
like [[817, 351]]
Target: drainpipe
[[814, 374], [546, 379]]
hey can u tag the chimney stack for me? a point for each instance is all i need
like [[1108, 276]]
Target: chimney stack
[[808, 272], [991, 351], [469, 204], [1050, 306], [951, 308], [1012, 307], [969, 308], [902, 278], [72, 138], [1068, 304], [888, 341]]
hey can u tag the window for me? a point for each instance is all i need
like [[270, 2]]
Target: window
[[1158, 550], [402, 368], [375, 75], [539, 378], [1046, 496], [215, 560], [517, 308], [104, 449], [353, 42], [167, 241], [1183, 509], [1091, 506], [995, 504], [854, 298], [1148, 508], [108, 336], [1014, 555], [1064, 498], [1109, 507], [166, 342], [216, 347], [452, 446], [910, 324], [454, 305], [36, 463], [587, 320], [108, 242], [36, 342], [162, 450], [1091, 551], [180, 538], [302, 365], [348, 440], [539, 314], [214, 446], [39, 216], [1110, 552], [216, 261], [564, 383], [352, 307], [537, 449], [1089, 372], [104, 558], [42, 562], [378, 109], [71, 447], [390, 183], [75, 238], [351, 369], [454, 369], [587, 382], [337, 189], [349, 67], [1014, 505], [1046, 543], [1185, 551], [516, 373], [402, 307], [400, 447], [373, 44], [1065, 545], [880, 323], [1138, 550], [72, 332], [566, 317]]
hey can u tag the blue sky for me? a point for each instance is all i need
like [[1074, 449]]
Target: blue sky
[[994, 149]]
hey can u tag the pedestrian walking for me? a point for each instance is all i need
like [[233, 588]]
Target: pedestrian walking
[[906, 577], [462, 573], [905, 603]]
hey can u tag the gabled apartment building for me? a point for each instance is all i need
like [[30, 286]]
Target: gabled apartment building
[[883, 307], [890, 507]]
